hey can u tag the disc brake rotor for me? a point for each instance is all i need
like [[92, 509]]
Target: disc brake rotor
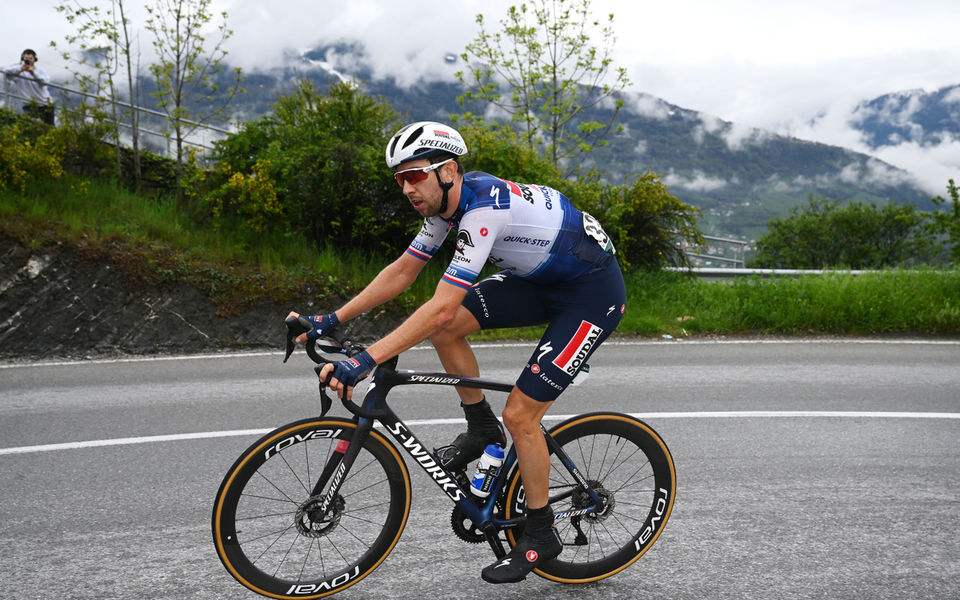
[[311, 523]]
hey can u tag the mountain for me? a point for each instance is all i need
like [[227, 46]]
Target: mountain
[[740, 177], [910, 116]]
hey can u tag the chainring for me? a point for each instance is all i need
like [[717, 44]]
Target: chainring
[[464, 527], [462, 524]]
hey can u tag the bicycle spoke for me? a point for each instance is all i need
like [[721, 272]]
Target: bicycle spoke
[[268, 526], [294, 473], [623, 462]]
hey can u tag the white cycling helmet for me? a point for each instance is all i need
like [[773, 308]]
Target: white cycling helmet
[[423, 139]]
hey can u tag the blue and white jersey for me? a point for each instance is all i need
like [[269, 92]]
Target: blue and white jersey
[[533, 231]]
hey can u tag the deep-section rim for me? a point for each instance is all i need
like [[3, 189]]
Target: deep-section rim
[[255, 452], [666, 457]]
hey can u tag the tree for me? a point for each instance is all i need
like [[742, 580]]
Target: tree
[[322, 156], [133, 75], [543, 55], [103, 36], [648, 226], [187, 65], [825, 233], [498, 148], [948, 222]]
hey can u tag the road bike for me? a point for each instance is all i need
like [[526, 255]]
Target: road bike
[[313, 507]]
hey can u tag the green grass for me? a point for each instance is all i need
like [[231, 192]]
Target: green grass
[[154, 243], [896, 301]]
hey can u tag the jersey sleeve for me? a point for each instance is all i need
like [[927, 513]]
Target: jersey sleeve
[[475, 237], [428, 241]]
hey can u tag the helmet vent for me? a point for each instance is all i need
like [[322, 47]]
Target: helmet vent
[[413, 136]]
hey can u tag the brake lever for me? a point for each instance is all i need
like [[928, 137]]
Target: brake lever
[[295, 327], [325, 401]]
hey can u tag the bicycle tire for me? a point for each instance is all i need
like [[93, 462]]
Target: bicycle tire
[[626, 459], [261, 529]]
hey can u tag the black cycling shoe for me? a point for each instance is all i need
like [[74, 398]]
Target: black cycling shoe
[[468, 447], [483, 429], [528, 554]]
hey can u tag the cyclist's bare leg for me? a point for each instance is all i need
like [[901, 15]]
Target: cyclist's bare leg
[[455, 353], [539, 542], [522, 417], [457, 357]]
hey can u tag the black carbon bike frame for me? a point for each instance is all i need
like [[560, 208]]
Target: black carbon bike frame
[[374, 408]]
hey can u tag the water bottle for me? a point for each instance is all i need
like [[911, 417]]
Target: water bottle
[[487, 470]]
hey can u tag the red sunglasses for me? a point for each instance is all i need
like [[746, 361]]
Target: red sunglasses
[[417, 174]]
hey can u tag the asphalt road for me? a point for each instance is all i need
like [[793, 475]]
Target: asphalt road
[[806, 469]]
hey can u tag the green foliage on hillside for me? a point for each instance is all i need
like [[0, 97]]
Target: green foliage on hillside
[[305, 186], [947, 222], [826, 233], [243, 256], [314, 168]]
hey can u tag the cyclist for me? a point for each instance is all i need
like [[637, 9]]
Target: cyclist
[[558, 268]]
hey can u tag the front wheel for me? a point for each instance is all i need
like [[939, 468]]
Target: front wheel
[[272, 534], [627, 463]]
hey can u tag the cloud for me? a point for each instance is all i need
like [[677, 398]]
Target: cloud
[[898, 110], [697, 182], [874, 172], [645, 105], [752, 62], [952, 97], [739, 135], [791, 186], [932, 164], [708, 125], [407, 41], [734, 135]]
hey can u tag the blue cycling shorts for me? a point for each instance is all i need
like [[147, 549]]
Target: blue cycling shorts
[[580, 315]]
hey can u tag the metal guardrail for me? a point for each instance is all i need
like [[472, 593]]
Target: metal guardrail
[[717, 252], [66, 92], [716, 274]]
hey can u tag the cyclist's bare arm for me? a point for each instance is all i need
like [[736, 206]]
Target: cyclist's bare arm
[[430, 317], [387, 285]]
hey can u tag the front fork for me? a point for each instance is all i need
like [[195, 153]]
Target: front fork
[[339, 463]]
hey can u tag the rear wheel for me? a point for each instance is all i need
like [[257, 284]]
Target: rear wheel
[[629, 466], [276, 539]]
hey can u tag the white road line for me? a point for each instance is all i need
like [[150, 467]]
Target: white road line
[[176, 437], [495, 345]]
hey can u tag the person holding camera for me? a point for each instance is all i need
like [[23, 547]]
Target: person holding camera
[[30, 86]]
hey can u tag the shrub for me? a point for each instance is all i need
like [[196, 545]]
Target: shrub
[[25, 159], [825, 234], [648, 226], [323, 158], [250, 197]]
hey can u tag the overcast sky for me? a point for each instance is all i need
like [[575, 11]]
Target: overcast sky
[[773, 64]]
